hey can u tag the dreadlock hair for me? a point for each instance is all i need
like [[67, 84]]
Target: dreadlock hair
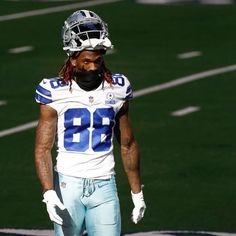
[[66, 73]]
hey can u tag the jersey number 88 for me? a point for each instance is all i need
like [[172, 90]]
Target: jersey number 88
[[93, 130]]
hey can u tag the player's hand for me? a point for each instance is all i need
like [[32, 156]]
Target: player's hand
[[139, 206], [52, 201]]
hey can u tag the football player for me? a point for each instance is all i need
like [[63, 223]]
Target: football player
[[81, 110]]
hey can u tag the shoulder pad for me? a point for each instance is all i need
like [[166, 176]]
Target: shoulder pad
[[122, 81], [44, 89]]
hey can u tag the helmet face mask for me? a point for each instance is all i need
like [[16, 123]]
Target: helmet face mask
[[85, 30]]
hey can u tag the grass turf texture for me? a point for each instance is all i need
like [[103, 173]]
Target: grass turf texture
[[188, 163]]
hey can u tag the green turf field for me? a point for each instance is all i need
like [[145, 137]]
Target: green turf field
[[188, 162]]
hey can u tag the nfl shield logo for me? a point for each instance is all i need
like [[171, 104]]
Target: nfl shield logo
[[91, 99]]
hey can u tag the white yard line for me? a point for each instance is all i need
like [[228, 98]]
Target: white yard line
[[18, 129], [31, 232], [20, 49], [185, 111], [55, 9], [2, 103], [188, 55], [184, 80], [142, 92]]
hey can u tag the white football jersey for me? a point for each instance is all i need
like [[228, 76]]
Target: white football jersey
[[86, 120]]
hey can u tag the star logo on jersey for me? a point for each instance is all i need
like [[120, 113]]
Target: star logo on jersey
[[91, 99], [110, 98]]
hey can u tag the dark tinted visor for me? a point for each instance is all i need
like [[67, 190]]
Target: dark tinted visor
[[95, 35], [90, 27]]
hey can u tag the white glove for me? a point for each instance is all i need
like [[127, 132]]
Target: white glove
[[139, 206], [52, 201]]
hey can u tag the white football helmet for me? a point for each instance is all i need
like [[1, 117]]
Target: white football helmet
[[85, 30]]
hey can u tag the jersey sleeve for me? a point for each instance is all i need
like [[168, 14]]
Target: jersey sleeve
[[43, 92], [122, 83]]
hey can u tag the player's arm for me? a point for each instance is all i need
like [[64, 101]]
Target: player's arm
[[131, 160], [45, 135], [129, 148]]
